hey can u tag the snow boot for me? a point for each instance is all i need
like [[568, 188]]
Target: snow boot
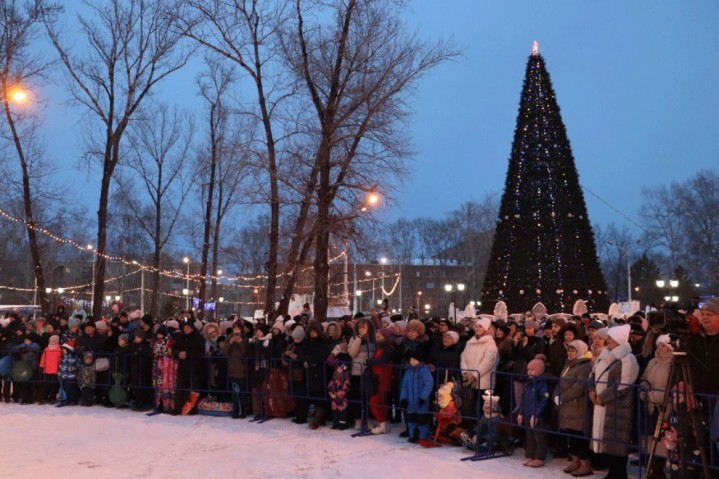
[[583, 470], [573, 466], [380, 428]]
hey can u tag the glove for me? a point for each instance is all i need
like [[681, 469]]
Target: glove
[[403, 404], [422, 402]]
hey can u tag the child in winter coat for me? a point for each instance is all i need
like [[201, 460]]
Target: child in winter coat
[[50, 366], [87, 376], [339, 386], [487, 438], [417, 385], [532, 411], [67, 374]]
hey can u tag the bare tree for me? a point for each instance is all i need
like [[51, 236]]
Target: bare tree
[[358, 70], [160, 142], [244, 32], [222, 168], [130, 49], [20, 67]]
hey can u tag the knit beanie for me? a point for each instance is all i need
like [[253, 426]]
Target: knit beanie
[[454, 335], [538, 365], [386, 333], [620, 333], [298, 334]]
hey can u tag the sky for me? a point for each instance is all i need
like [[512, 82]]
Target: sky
[[635, 82]]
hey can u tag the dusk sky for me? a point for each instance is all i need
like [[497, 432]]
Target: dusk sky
[[635, 82]]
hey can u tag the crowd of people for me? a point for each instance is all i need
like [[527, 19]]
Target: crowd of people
[[575, 386]]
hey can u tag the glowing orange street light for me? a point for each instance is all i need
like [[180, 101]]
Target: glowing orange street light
[[17, 95]]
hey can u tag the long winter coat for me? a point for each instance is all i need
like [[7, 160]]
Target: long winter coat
[[360, 350], [522, 354], [612, 379], [417, 385], [479, 359], [50, 360], [574, 407], [235, 349]]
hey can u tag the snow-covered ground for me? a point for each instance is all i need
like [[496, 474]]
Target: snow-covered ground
[[79, 442]]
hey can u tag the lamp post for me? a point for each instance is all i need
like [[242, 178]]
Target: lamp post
[[427, 307], [186, 291], [358, 301], [452, 289], [383, 261], [369, 274], [419, 296], [257, 296]]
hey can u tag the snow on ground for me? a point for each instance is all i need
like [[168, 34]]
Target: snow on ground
[[79, 442]]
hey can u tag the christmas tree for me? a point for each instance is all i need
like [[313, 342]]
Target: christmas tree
[[543, 249]]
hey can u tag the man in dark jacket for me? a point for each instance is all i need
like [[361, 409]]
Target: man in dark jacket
[[189, 350]]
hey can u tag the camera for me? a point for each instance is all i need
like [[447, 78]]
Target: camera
[[670, 322]]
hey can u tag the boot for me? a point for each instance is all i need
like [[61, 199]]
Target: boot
[[415, 437], [583, 470], [573, 466], [380, 428]]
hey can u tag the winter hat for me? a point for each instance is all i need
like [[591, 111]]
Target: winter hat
[[538, 365], [620, 333], [483, 321], [417, 354], [602, 333], [595, 324], [73, 322], [298, 334], [530, 323], [88, 354], [416, 326], [161, 329], [402, 325], [279, 325], [712, 305], [211, 328], [666, 340], [386, 333], [139, 333], [172, 324], [70, 344], [147, 319], [579, 346], [124, 337], [557, 320], [137, 314], [101, 325], [454, 335], [54, 340], [90, 323]]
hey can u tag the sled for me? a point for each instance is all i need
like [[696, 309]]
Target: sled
[[190, 404]]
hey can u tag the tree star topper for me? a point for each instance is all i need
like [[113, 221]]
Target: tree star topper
[[535, 48]]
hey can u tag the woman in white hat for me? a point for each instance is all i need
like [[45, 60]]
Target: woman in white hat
[[611, 388]]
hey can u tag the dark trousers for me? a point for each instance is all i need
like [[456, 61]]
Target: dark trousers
[[536, 442], [577, 447], [25, 391], [240, 397], [48, 388], [87, 396]]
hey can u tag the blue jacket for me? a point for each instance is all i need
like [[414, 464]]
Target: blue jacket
[[68, 366], [535, 398], [417, 384]]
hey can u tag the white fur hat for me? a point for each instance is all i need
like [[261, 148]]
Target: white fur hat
[[620, 333], [579, 346], [483, 321]]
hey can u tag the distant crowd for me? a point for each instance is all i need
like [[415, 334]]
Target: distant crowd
[[570, 386]]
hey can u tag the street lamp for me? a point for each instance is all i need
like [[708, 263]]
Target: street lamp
[[369, 274], [186, 291], [257, 295], [419, 296], [427, 307], [450, 288], [358, 295]]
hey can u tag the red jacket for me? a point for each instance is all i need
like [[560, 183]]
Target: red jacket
[[50, 360]]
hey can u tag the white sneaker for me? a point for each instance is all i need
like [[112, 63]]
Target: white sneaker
[[380, 428]]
